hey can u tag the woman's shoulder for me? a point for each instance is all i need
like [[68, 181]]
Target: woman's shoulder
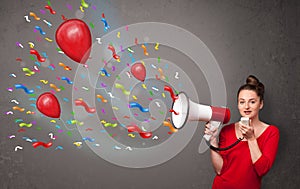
[[272, 129]]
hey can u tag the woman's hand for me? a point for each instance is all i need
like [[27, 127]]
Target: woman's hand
[[247, 131], [213, 133]]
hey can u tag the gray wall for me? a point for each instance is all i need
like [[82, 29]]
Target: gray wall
[[246, 37]]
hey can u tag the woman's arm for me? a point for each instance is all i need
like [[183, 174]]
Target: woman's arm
[[216, 158], [262, 158], [254, 150]]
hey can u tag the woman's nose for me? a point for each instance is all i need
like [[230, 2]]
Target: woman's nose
[[246, 105]]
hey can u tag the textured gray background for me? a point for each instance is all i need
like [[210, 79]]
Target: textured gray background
[[246, 37]]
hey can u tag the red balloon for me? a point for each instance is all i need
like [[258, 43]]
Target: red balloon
[[48, 105], [138, 70], [74, 38]]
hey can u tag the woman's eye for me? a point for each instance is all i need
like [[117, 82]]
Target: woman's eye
[[253, 102], [242, 102]]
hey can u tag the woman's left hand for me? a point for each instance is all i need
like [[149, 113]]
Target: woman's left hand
[[247, 131]]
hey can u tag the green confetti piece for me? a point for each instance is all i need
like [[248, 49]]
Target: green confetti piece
[[130, 50], [69, 133], [32, 95], [151, 93], [62, 88], [18, 120], [167, 79], [158, 59], [84, 4], [49, 3], [25, 124], [39, 128], [110, 124], [31, 57], [92, 25], [73, 113], [161, 112], [118, 77]]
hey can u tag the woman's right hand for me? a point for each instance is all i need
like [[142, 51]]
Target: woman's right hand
[[213, 133]]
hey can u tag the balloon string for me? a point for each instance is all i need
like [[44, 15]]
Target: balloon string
[[66, 125]]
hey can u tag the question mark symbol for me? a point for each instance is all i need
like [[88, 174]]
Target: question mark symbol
[[51, 136], [14, 101]]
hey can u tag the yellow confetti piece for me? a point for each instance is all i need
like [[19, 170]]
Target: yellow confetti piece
[[44, 81], [53, 121], [163, 94], [31, 45], [118, 60], [78, 144], [144, 86], [81, 8], [156, 46], [134, 97], [131, 135], [48, 39], [115, 108]]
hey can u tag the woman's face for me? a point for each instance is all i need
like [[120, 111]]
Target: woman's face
[[249, 104]]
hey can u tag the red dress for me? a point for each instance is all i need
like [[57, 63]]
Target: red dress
[[238, 171]]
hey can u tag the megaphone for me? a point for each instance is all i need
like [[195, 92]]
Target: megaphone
[[190, 111]]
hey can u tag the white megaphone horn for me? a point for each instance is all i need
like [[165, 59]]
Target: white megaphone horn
[[190, 111]]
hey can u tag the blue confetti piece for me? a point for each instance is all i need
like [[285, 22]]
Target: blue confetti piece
[[33, 105], [59, 148], [40, 29], [88, 138], [37, 63], [44, 54]]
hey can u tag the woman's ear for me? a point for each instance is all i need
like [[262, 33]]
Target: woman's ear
[[261, 104]]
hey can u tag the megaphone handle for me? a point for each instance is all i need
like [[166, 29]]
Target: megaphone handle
[[213, 125]]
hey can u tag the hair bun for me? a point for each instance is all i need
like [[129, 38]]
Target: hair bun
[[252, 83], [252, 80]]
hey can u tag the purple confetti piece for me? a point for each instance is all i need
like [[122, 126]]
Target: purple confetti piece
[[94, 7], [103, 85], [122, 48], [60, 130], [113, 68], [103, 111], [69, 6], [10, 89], [42, 11]]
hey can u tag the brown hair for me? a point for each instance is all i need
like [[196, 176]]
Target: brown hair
[[253, 84]]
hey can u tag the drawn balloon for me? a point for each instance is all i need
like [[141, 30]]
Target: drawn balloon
[[48, 105], [138, 70], [74, 38]]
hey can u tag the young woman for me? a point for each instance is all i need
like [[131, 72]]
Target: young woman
[[244, 165]]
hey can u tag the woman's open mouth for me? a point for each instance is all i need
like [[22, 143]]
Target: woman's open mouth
[[247, 112]]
